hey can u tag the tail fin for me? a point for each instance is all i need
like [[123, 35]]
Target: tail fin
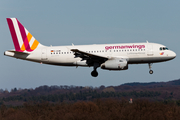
[[22, 38]]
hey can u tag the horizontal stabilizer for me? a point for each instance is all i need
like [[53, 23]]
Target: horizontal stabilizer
[[13, 53]]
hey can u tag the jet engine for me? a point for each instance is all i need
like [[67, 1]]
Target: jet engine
[[115, 64]]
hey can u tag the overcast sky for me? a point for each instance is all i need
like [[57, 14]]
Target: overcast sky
[[64, 22]]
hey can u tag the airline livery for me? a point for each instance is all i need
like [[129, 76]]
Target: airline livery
[[105, 56]]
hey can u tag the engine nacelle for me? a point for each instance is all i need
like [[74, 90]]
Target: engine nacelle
[[115, 64], [81, 63]]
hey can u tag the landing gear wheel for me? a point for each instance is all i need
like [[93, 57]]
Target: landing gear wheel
[[151, 72], [94, 73]]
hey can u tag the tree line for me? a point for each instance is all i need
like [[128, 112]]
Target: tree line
[[98, 109], [82, 95]]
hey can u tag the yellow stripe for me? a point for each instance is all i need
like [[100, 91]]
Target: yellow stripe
[[23, 47], [29, 36], [34, 45]]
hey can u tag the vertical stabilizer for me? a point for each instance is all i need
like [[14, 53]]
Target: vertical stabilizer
[[22, 38]]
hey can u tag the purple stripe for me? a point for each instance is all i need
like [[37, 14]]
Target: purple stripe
[[13, 35], [24, 37]]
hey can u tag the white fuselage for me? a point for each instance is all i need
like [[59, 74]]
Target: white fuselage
[[135, 53]]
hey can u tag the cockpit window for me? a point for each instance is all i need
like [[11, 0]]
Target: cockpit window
[[163, 48]]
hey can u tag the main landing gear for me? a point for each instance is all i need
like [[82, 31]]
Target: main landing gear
[[94, 73], [150, 66]]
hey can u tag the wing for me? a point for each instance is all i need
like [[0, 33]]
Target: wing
[[91, 58]]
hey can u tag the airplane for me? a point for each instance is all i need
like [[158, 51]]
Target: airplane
[[105, 56]]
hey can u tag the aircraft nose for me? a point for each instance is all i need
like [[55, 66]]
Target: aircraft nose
[[173, 54]]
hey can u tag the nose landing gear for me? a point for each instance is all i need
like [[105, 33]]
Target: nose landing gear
[[150, 72], [150, 66]]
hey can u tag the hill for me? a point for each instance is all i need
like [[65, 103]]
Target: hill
[[154, 91]]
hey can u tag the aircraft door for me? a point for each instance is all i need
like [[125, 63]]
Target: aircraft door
[[150, 50], [109, 53], [44, 55]]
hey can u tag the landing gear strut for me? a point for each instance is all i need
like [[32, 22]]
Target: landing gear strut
[[150, 66], [94, 73]]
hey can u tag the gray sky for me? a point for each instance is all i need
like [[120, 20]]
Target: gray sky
[[64, 22]]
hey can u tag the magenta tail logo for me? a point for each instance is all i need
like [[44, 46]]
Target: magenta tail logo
[[22, 39]]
